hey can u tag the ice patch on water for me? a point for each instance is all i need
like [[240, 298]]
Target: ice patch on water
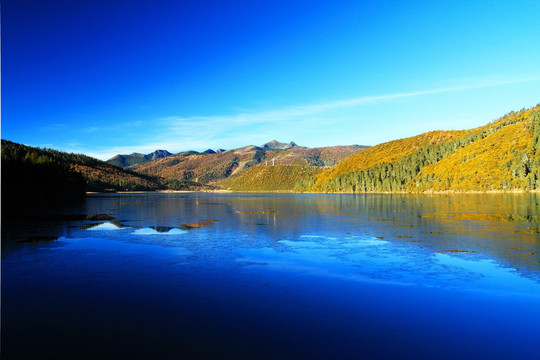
[[491, 276], [317, 237], [105, 226], [371, 242], [150, 231], [348, 241], [310, 261], [304, 244], [369, 259]]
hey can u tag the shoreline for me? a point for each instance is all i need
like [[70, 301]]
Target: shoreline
[[223, 191]]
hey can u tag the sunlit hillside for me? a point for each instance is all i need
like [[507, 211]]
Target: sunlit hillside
[[322, 156], [387, 152], [502, 155], [270, 178], [202, 168], [503, 160], [212, 167]]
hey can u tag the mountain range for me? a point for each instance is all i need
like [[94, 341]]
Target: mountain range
[[211, 168], [124, 161], [276, 145], [503, 155]]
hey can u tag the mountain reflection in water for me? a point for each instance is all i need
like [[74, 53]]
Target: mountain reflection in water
[[274, 276]]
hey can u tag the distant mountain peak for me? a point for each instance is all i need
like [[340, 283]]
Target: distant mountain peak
[[133, 154], [123, 160], [276, 145], [158, 154]]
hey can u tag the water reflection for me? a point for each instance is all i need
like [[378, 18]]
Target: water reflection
[[91, 245], [287, 275], [495, 226]]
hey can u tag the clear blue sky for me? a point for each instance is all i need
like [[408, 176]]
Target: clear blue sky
[[107, 77]]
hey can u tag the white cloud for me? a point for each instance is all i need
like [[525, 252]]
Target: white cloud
[[210, 127], [180, 133]]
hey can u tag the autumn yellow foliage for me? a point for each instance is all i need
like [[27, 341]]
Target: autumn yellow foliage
[[503, 155], [478, 166], [384, 153], [270, 178]]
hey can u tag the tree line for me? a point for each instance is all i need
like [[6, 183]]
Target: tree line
[[402, 174]]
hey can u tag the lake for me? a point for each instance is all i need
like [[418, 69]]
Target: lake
[[274, 276]]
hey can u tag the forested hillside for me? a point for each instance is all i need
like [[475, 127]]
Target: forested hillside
[[25, 169], [35, 173], [503, 155], [31, 175]]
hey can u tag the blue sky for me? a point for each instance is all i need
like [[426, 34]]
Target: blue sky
[[108, 77]]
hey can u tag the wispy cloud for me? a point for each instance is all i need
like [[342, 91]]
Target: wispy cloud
[[178, 133], [316, 114]]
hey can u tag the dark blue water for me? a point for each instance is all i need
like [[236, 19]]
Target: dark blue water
[[248, 276]]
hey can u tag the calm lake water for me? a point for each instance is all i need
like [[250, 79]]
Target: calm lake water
[[274, 276]]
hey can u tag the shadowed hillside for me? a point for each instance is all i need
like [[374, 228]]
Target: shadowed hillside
[[35, 167], [31, 176]]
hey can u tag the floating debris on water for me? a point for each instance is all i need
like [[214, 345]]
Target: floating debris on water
[[257, 211], [530, 230], [200, 224], [496, 217], [456, 251]]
